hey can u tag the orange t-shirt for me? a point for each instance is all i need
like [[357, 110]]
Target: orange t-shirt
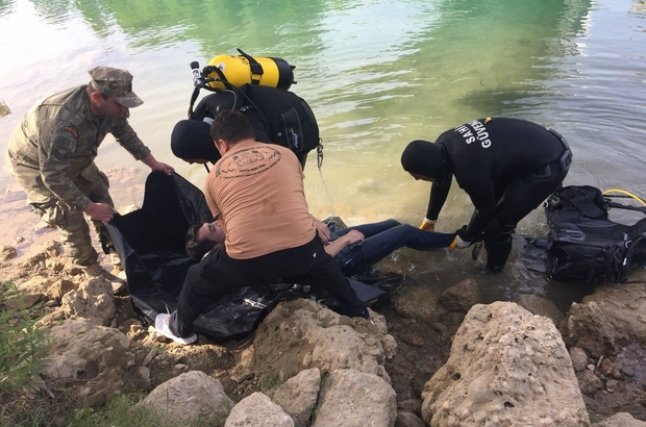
[[257, 189]]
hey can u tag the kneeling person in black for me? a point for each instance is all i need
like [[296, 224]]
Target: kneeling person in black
[[506, 166]]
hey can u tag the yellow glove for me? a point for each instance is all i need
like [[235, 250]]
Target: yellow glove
[[427, 225], [458, 243]]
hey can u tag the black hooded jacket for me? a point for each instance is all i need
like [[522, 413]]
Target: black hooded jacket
[[484, 156]]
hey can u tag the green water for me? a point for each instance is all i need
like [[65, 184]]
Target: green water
[[376, 73]]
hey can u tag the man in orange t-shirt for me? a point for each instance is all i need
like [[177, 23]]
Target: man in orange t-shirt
[[256, 190]]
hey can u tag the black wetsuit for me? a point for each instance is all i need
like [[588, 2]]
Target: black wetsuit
[[507, 167]]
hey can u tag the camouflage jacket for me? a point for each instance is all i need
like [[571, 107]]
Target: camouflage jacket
[[58, 140]]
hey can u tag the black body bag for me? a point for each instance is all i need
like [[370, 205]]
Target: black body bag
[[150, 242], [584, 245]]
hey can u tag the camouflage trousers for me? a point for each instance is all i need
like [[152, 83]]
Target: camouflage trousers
[[70, 221]]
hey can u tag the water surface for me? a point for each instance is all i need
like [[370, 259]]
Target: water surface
[[377, 74]]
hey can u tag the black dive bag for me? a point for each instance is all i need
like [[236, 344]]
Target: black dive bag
[[584, 245]]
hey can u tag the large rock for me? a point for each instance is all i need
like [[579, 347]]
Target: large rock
[[461, 296], [258, 410], [610, 327], [190, 397], [356, 399], [298, 395], [416, 302], [507, 367], [90, 363], [607, 320], [93, 300], [312, 336], [621, 419]]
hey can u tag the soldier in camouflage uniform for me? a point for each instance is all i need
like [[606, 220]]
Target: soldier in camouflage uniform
[[52, 156]]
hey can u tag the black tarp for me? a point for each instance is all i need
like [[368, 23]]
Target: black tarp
[[150, 242]]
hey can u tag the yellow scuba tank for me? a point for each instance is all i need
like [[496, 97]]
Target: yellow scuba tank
[[243, 69]]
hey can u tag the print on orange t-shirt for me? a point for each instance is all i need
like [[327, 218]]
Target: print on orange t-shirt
[[258, 190]]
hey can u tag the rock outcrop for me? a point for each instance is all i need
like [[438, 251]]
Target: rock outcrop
[[310, 335], [507, 367], [91, 364], [190, 397]]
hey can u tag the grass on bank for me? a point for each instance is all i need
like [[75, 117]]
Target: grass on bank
[[122, 412], [22, 346], [24, 398], [119, 412], [22, 350]]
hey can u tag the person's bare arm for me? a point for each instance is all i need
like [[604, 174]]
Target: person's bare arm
[[99, 212], [323, 230], [156, 165], [351, 238]]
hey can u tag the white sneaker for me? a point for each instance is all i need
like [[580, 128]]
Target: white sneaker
[[162, 327]]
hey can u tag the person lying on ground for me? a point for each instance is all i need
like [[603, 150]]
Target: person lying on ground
[[355, 249]]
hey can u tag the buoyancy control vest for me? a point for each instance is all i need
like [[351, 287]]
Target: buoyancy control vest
[[277, 115], [584, 245]]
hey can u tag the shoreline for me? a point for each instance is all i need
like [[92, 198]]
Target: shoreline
[[22, 228]]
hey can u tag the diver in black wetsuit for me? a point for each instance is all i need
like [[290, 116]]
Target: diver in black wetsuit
[[506, 166]]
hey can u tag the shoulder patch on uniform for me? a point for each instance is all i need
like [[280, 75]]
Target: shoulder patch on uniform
[[71, 130]]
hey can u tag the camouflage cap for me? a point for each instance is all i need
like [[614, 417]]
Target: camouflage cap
[[115, 83]]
